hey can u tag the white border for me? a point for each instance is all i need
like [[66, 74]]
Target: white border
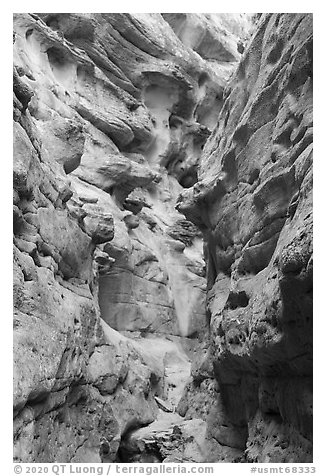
[[319, 186]]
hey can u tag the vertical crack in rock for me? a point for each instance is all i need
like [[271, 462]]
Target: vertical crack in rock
[[162, 237]]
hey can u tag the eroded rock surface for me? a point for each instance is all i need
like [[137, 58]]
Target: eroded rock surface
[[169, 439], [115, 117], [111, 112], [253, 202]]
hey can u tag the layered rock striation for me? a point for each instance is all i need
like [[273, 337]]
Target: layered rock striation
[[111, 113], [139, 138], [253, 203]]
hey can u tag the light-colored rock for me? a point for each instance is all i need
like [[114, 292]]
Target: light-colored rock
[[169, 439], [163, 405], [111, 112]]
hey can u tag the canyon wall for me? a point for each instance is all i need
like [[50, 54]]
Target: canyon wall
[[253, 203], [162, 237], [111, 112]]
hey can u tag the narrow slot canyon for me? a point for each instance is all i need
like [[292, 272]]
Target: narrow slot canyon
[[162, 238]]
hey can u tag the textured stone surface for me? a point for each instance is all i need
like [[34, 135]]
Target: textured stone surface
[[115, 117], [119, 101], [253, 202], [169, 439], [111, 112]]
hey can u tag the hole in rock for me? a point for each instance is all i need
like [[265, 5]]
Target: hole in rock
[[175, 121], [28, 33], [189, 179], [130, 453], [274, 156], [63, 68], [133, 106], [160, 96], [56, 57], [285, 137], [203, 78], [237, 299]]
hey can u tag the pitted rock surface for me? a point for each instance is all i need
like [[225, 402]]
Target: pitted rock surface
[[253, 202], [139, 139]]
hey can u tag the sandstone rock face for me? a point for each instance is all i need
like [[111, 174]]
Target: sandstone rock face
[[121, 103], [253, 202], [137, 139], [111, 112]]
